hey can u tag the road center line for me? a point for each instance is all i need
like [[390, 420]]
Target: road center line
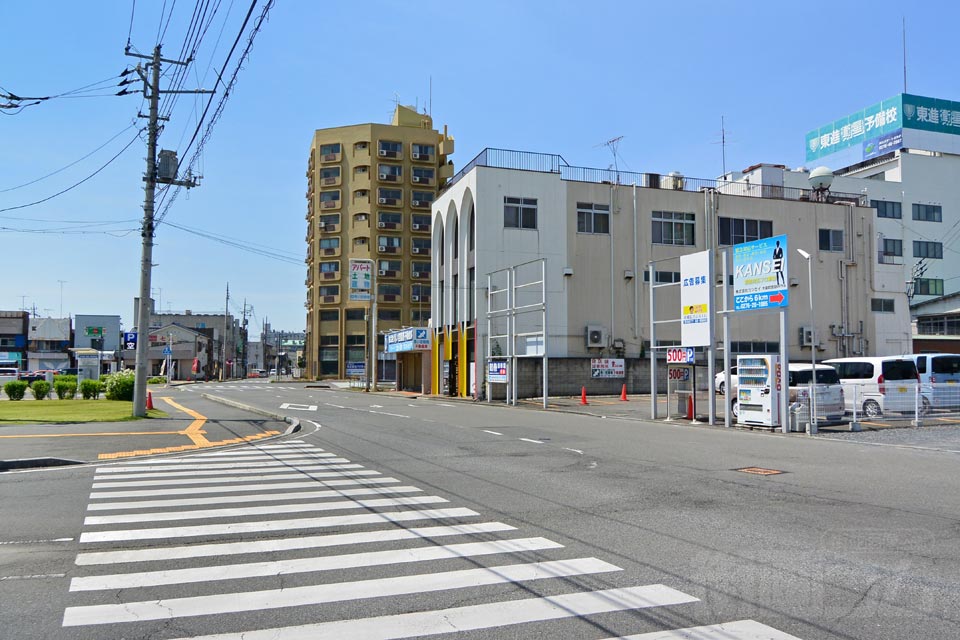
[[496, 433]]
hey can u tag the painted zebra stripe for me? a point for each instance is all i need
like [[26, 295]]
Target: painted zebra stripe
[[190, 463], [251, 479], [273, 525], [236, 486], [258, 497], [739, 630], [251, 456], [326, 593], [306, 565], [238, 475], [473, 617], [259, 451], [286, 544], [269, 510]]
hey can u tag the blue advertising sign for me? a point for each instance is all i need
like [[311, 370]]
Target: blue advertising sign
[[497, 371], [130, 340], [760, 278], [356, 369], [411, 339]]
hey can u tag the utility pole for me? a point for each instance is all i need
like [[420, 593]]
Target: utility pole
[[151, 91], [226, 311]]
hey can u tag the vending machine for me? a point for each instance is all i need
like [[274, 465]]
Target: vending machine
[[758, 390]]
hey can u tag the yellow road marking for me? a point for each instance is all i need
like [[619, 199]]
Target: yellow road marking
[[193, 431], [186, 447]]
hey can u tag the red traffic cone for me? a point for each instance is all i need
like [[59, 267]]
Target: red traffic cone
[[149, 400], [690, 408], [623, 393], [583, 395]]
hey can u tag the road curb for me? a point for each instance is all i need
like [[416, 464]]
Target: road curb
[[293, 422]]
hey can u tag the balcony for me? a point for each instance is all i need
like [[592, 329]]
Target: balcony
[[330, 204], [390, 153], [388, 177], [330, 251], [420, 275], [328, 227], [388, 297], [888, 258], [420, 251], [333, 181], [388, 225], [331, 157], [423, 181], [421, 204], [382, 248], [387, 273], [390, 202], [422, 228], [446, 146], [330, 299], [329, 275]]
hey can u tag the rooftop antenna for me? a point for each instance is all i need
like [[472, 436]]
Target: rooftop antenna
[[904, 53], [431, 97], [612, 145], [723, 144]]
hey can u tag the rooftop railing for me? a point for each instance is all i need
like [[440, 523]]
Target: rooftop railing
[[554, 163]]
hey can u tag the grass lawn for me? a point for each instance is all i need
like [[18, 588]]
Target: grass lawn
[[42, 411]]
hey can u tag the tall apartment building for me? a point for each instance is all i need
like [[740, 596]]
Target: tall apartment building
[[369, 192]]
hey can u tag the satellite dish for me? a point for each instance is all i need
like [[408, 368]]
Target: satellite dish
[[821, 178]]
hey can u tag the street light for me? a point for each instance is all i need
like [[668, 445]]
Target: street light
[[813, 345]]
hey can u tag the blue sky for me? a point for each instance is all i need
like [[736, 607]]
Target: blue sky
[[558, 77]]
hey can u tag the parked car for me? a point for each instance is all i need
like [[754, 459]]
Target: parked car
[[32, 376], [8, 374], [829, 391], [273, 373], [719, 381], [874, 385], [68, 371], [939, 378]]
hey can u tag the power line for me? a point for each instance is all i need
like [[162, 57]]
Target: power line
[[76, 184], [273, 254], [53, 173]]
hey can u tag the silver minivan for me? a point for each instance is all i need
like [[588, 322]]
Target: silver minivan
[[939, 378], [874, 385]]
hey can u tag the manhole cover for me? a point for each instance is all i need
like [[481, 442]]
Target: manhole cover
[[759, 471]]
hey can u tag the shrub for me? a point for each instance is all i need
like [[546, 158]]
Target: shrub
[[65, 389], [40, 389], [63, 377], [15, 389], [91, 389], [119, 386], [157, 380]]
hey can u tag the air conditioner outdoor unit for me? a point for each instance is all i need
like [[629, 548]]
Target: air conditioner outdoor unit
[[382, 225], [415, 298], [416, 227], [808, 337], [383, 176], [416, 178], [382, 272], [382, 200], [415, 156], [383, 152], [415, 274], [416, 249], [596, 336], [415, 203], [322, 225]]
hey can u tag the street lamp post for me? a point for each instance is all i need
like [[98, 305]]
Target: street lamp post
[[813, 344]]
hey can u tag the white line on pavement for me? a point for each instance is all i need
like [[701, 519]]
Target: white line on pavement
[[740, 630], [496, 433], [255, 475], [533, 441]]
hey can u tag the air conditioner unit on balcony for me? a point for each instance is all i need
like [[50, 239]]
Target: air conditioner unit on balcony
[[381, 272], [596, 336], [382, 225], [415, 298], [382, 200], [383, 176], [322, 226], [416, 227], [415, 274], [808, 336], [416, 249], [415, 203], [415, 156], [416, 178], [383, 152]]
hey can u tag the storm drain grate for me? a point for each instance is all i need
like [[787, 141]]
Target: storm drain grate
[[759, 471]]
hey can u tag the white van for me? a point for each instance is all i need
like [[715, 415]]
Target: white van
[[8, 374], [874, 385], [829, 390], [939, 378]]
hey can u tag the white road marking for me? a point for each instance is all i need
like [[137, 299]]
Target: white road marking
[[740, 630], [256, 475], [574, 450], [273, 525], [239, 512], [384, 413], [327, 593], [444, 405], [315, 424], [473, 617], [189, 463], [298, 407], [256, 456], [533, 441], [307, 565], [337, 406], [376, 406], [36, 541], [496, 433], [286, 544], [592, 465], [226, 488], [257, 497], [263, 451], [36, 576]]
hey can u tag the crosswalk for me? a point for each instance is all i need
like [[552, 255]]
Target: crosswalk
[[249, 386], [319, 547]]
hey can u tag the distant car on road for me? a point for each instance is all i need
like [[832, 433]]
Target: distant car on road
[[8, 374], [32, 376], [68, 371], [273, 372]]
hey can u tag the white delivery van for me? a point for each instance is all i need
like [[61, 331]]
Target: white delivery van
[[874, 385]]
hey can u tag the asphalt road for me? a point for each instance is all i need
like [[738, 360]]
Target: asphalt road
[[390, 517]]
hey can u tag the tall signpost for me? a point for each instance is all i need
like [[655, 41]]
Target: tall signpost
[[363, 288], [696, 316], [761, 283]]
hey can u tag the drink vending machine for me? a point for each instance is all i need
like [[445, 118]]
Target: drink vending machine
[[758, 389]]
